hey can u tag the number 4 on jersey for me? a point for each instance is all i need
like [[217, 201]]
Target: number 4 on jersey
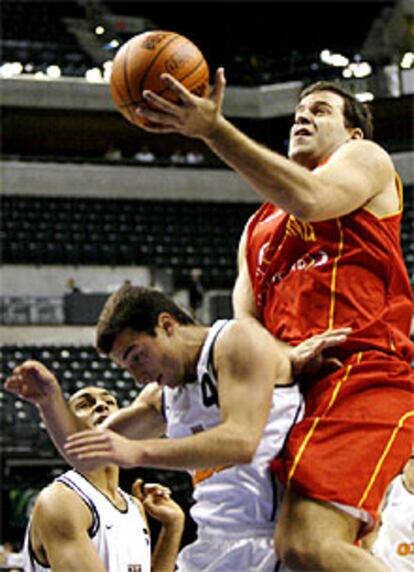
[[209, 391]]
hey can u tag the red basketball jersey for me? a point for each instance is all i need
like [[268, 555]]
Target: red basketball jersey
[[349, 271]]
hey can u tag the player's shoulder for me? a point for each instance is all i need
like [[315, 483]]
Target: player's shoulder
[[242, 335], [59, 506], [150, 395], [366, 151]]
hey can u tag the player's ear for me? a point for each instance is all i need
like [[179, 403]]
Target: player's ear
[[356, 133], [166, 322]]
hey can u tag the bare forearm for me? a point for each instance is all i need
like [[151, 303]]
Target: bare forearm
[[271, 175], [60, 422], [165, 553], [215, 447], [136, 422]]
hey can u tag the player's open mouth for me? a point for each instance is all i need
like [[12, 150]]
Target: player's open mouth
[[302, 133]]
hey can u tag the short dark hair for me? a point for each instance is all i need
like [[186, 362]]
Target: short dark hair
[[356, 113], [134, 307]]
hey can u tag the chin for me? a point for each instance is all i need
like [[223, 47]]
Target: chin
[[302, 158]]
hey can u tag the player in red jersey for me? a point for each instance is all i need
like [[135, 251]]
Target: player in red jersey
[[323, 251]]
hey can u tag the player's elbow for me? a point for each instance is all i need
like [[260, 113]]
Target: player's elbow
[[308, 206], [245, 454], [246, 447], [307, 209]]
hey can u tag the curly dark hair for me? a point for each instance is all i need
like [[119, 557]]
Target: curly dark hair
[[356, 113], [134, 307]]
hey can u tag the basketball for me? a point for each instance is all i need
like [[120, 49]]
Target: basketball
[[139, 63]]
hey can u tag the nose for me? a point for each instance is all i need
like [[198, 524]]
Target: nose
[[302, 118], [101, 406]]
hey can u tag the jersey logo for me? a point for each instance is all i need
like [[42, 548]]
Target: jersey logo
[[196, 429], [202, 474], [305, 263], [134, 568], [208, 391], [303, 230]]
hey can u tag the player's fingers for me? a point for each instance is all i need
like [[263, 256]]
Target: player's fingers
[[177, 87], [333, 363], [217, 92], [12, 384], [160, 103], [137, 489], [158, 129], [88, 449], [86, 439], [334, 333], [323, 341], [85, 435], [156, 119], [157, 489]]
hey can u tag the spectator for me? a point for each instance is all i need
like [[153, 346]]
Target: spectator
[[71, 286], [196, 293], [113, 153], [144, 155]]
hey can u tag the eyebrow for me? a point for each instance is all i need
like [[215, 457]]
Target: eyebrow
[[317, 102], [88, 395], [127, 352]]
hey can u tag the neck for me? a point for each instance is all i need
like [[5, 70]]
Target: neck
[[195, 338], [106, 480]]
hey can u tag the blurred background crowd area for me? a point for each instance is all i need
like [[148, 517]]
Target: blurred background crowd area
[[90, 201]]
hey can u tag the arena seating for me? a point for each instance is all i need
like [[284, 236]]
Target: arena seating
[[37, 36], [174, 234], [177, 235], [75, 367]]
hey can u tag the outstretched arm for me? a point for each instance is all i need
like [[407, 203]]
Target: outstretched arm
[[358, 173], [34, 382]]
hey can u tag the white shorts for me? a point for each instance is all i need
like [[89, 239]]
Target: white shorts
[[219, 553]]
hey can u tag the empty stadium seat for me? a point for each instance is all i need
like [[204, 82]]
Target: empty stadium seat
[[160, 234]]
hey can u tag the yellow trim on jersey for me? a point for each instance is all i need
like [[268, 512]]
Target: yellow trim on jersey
[[334, 274], [399, 185], [384, 454], [316, 421], [278, 249], [302, 448]]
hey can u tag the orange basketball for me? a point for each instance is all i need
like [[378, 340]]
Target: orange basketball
[[139, 63]]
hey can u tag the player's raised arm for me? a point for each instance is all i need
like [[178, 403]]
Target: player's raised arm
[[34, 382]]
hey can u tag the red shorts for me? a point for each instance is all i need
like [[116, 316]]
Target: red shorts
[[356, 435]]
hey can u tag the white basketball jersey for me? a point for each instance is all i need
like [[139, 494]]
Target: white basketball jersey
[[395, 541], [120, 537], [240, 498]]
